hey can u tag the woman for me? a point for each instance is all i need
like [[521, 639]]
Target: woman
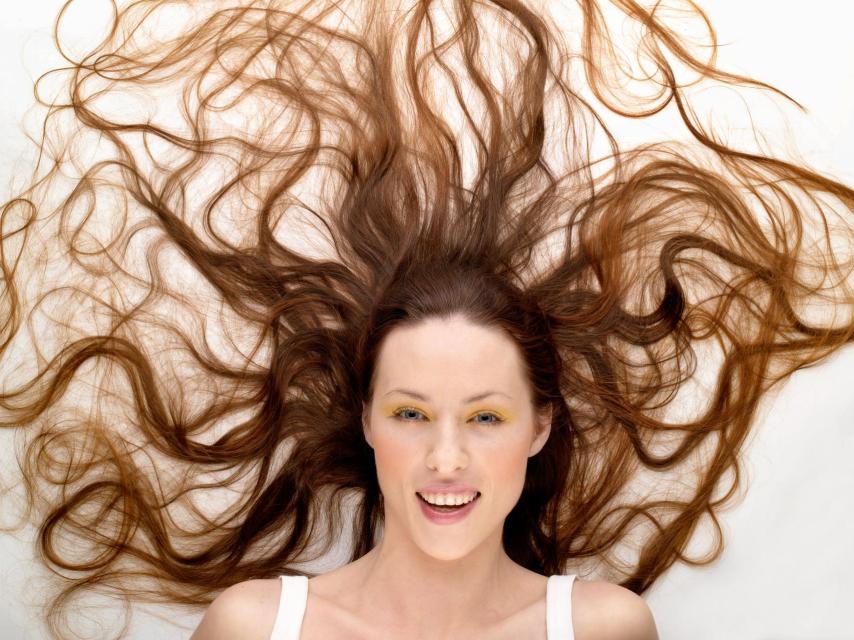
[[453, 418], [460, 234]]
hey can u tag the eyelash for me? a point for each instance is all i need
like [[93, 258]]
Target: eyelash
[[497, 420]]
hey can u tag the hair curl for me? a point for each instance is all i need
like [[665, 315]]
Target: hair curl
[[196, 283]]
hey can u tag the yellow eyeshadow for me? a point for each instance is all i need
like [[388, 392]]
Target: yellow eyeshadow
[[390, 409], [502, 415]]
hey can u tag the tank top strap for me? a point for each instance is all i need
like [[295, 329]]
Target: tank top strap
[[292, 601], [559, 607]]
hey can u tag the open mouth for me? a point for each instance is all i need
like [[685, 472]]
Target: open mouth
[[448, 508]]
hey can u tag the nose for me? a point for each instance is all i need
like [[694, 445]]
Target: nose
[[448, 451]]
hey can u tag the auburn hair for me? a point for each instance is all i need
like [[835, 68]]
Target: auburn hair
[[235, 202]]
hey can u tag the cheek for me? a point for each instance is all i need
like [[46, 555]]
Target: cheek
[[394, 460], [506, 465]]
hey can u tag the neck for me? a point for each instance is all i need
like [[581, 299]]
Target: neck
[[426, 595]]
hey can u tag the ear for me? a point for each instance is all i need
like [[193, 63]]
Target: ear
[[366, 423], [542, 429]]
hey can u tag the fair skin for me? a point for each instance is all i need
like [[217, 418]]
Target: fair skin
[[426, 580]]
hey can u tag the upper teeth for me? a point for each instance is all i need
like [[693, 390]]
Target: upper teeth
[[448, 498]]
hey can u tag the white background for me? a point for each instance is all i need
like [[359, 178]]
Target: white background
[[788, 566]]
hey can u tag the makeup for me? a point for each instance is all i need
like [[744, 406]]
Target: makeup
[[445, 515]]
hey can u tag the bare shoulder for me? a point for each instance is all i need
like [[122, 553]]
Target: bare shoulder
[[605, 611], [245, 610]]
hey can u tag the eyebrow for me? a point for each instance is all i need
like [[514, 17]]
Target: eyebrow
[[423, 398]]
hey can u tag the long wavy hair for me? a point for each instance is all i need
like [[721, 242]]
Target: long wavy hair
[[234, 202]]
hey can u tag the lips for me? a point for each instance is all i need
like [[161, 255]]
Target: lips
[[448, 488], [447, 515]]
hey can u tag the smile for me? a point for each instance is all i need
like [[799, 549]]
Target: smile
[[446, 514]]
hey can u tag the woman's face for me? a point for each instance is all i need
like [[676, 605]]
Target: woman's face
[[450, 407]]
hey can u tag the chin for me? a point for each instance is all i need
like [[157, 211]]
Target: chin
[[450, 546], [446, 551]]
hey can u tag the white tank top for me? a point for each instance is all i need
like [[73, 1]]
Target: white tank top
[[294, 596]]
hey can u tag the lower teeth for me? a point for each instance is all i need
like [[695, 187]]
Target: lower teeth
[[447, 508]]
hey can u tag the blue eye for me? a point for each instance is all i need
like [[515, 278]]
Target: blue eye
[[403, 411], [399, 413], [492, 415]]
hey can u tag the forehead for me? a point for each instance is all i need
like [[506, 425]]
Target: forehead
[[450, 357]]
